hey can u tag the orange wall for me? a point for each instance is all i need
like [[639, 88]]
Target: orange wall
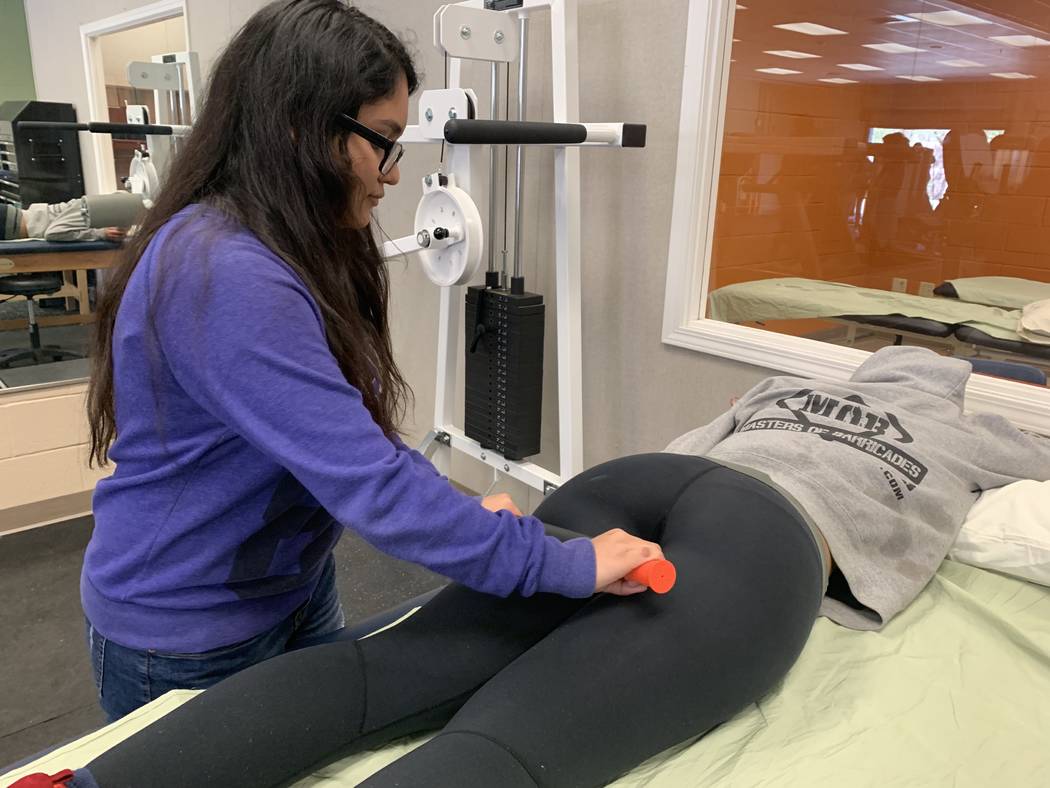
[[794, 165]]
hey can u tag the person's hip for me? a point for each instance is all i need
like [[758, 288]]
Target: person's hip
[[128, 677]]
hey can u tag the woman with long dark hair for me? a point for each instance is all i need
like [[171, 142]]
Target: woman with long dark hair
[[245, 386]]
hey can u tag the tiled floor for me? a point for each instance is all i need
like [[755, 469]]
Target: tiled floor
[[71, 337], [46, 692]]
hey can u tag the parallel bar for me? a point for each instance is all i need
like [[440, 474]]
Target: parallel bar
[[519, 183], [565, 68], [493, 171], [450, 308]]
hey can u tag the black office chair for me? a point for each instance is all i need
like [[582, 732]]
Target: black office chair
[[30, 286]]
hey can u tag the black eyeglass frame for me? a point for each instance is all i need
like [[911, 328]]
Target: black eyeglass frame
[[392, 150]]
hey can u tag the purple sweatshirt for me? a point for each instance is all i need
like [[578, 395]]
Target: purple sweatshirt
[[242, 452]]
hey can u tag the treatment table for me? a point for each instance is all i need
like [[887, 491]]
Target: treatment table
[[953, 692], [963, 326], [75, 257]]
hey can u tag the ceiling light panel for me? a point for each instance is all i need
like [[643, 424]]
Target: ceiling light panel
[[859, 67], [894, 49], [811, 29], [918, 78], [1021, 41], [961, 63], [778, 71], [791, 53], [839, 81], [951, 18], [1012, 75]]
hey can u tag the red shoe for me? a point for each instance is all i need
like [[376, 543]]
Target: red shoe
[[41, 780]]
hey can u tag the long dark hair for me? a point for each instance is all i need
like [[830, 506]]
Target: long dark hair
[[262, 154]]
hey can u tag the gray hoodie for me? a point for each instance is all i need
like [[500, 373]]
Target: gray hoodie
[[886, 465], [63, 221]]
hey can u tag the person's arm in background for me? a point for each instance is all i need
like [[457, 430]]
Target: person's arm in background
[[260, 363]]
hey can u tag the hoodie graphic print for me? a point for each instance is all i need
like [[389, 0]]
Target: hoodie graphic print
[[885, 465]]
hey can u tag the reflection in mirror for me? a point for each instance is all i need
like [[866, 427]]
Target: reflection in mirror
[[46, 309], [885, 178]]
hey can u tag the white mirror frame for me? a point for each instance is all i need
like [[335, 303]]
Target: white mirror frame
[[704, 83]]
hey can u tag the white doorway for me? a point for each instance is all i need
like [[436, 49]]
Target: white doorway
[[109, 45]]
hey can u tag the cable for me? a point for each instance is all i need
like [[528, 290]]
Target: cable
[[495, 481]]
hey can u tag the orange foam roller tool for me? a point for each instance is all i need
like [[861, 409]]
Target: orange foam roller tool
[[659, 574]]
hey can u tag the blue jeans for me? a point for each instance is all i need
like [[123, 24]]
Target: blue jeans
[[128, 678]]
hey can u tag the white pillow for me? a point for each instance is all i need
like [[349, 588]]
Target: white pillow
[[1034, 322], [1008, 530]]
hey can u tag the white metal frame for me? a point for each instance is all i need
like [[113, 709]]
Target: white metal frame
[[704, 83], [186, 65], [446, 437], [91, 47]]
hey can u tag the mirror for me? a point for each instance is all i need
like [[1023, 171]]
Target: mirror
[[885, 177]]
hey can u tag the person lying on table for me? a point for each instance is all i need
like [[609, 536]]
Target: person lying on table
[[72, 220], [808, 497]]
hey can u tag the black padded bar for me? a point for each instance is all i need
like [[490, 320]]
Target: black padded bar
[[511, 132], [98, 128], [975, 336], [915, 325]]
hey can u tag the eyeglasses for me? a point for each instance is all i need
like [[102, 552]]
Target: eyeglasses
[[392, 151]]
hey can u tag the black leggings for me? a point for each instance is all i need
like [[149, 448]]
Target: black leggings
[[545, 691]]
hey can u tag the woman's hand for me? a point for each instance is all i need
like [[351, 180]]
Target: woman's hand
[[115, 233], [616, 553], [500, 501]]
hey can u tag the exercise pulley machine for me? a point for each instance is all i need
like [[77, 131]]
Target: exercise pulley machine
[[504, 341], [504, 323]]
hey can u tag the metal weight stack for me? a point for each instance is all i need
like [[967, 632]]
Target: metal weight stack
[[504, 370]]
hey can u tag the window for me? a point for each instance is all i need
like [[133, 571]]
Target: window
[[872, 160]]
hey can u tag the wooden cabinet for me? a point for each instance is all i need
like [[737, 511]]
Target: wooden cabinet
[[44, 473]]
